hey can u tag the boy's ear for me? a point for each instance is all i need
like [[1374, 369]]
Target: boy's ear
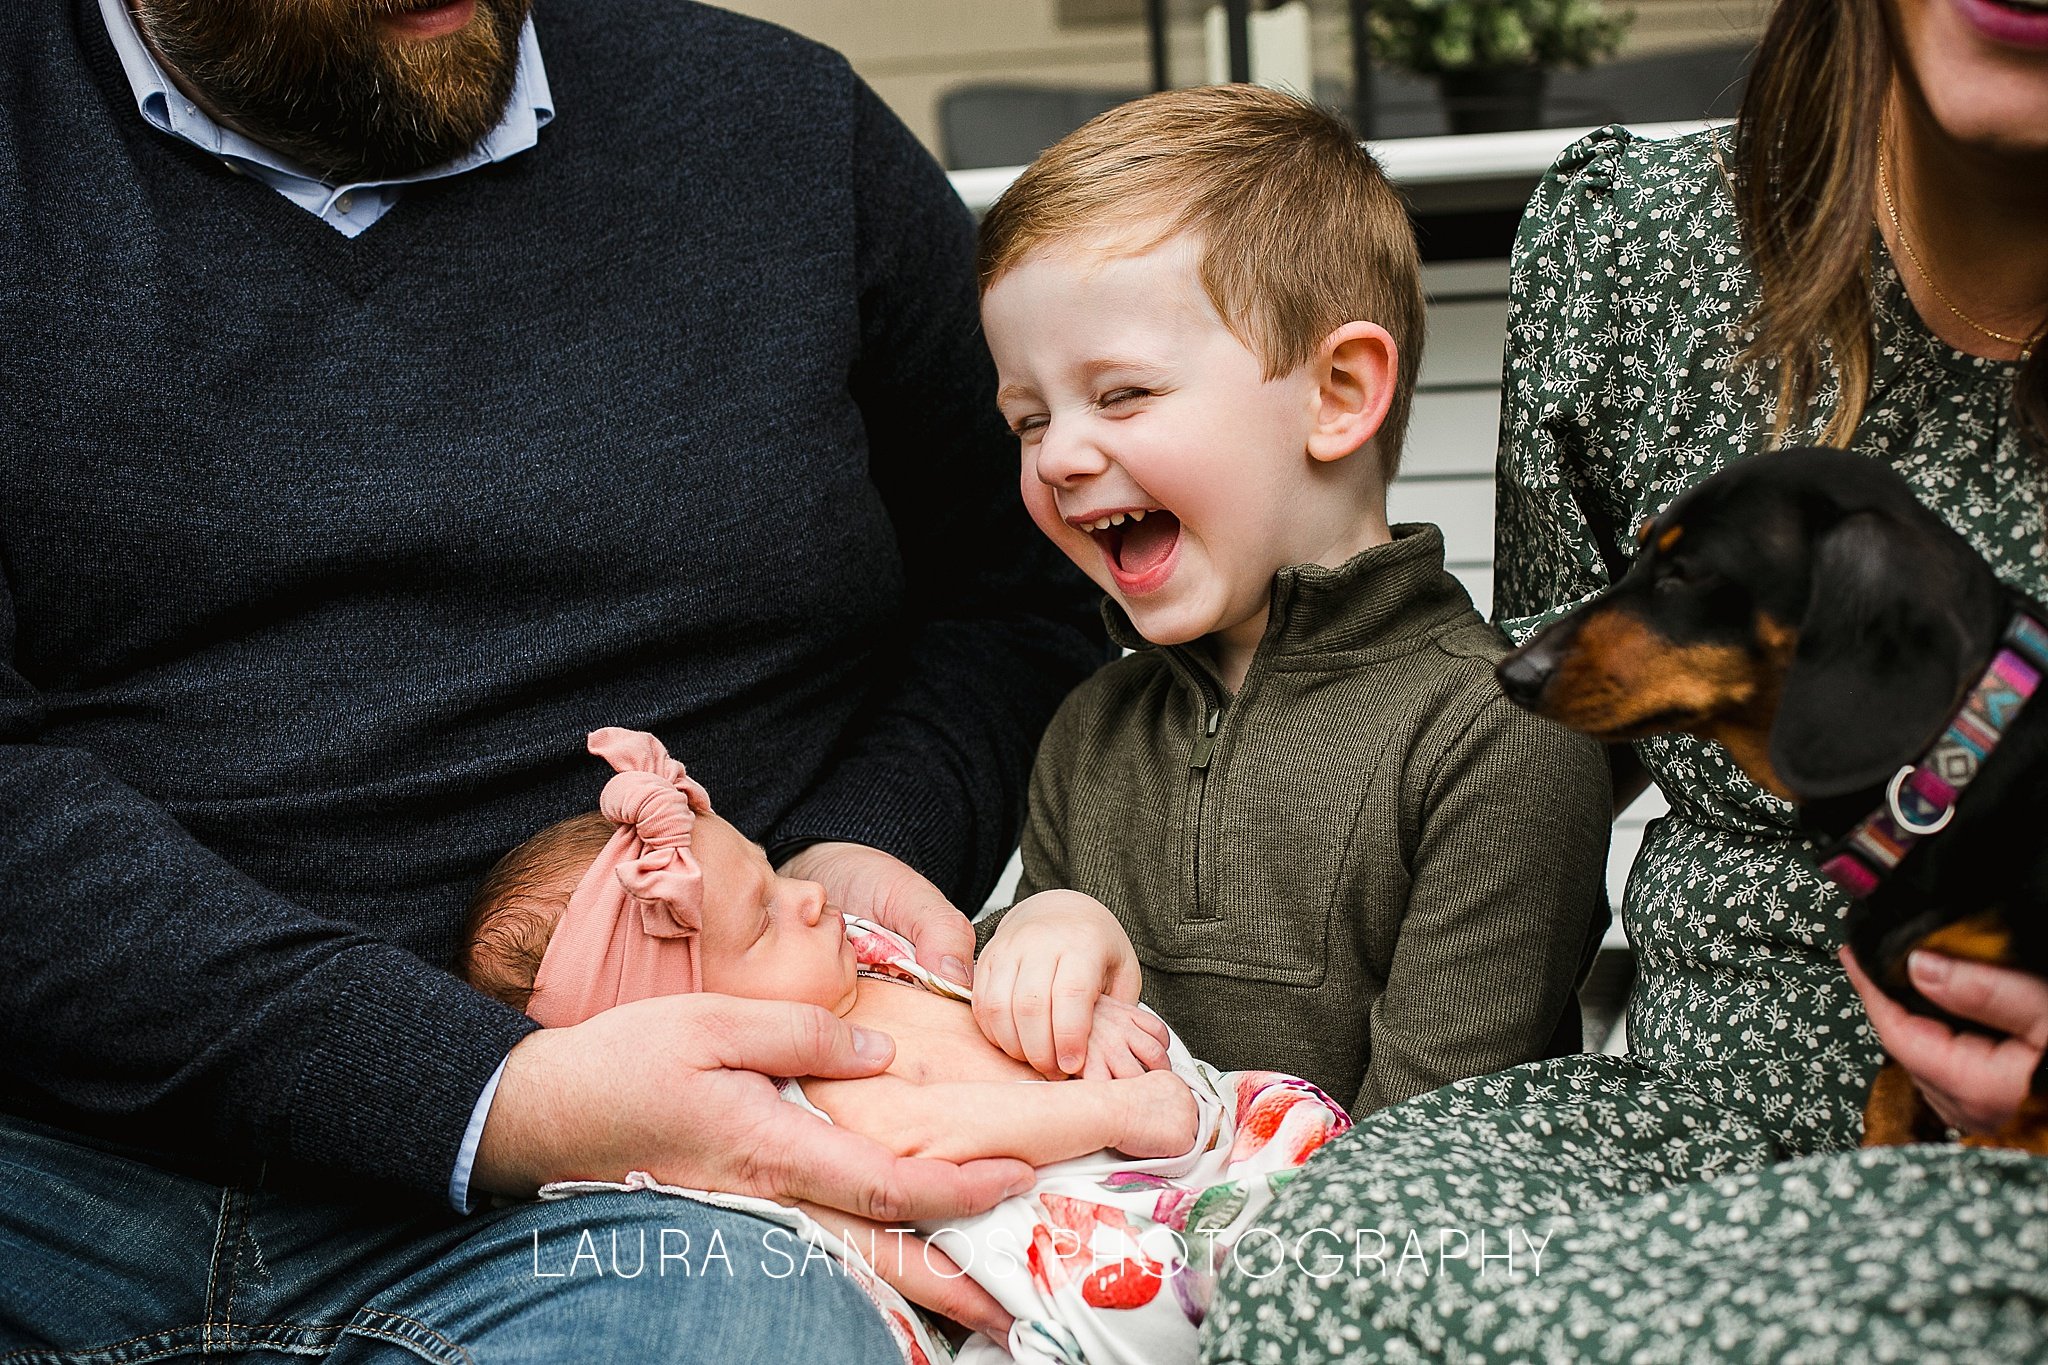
[[1355, 370]]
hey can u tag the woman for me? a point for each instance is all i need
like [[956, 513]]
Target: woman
[[1864, 263]]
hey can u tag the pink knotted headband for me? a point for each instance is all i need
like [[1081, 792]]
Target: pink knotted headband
[[630, 929]]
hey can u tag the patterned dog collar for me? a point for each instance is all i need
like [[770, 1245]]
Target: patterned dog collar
[[1921, 798]]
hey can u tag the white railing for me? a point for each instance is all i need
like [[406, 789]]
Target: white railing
[[1410, 162]]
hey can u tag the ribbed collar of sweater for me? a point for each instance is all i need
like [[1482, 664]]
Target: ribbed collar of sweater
[[1381, 598]]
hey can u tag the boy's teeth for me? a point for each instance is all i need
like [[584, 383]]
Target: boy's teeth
[[1119, 518]]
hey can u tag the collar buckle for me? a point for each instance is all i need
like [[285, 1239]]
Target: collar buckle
[[1920, 800], [1906, 823]]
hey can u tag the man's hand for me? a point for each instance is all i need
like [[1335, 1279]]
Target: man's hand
[[1037, 982], [874, 885], [921, 1271], [678, 1086], [1976, 1083]]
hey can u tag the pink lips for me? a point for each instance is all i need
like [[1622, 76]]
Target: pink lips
[[2004, 24], [435, 22]]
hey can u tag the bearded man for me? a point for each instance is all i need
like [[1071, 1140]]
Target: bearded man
[[385, 408]]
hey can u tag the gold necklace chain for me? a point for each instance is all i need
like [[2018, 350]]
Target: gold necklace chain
[[1884, 188]]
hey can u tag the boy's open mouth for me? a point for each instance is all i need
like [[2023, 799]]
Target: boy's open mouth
[[1139, 548]]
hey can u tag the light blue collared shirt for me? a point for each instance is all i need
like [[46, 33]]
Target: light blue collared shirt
[[472, 1138], [349, 209]]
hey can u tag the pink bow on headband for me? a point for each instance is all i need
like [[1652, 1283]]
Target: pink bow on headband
[[630, 930]]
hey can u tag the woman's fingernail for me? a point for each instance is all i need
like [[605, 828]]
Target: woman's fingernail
[[872, 1045], [1932, 968], [954, 969], [1070, 1064]]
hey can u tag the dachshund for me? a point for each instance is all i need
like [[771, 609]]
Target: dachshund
[[1857, 658]]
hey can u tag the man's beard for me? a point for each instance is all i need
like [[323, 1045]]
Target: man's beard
[[323, 82]]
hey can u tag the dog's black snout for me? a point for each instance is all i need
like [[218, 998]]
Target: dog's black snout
[[1523, 677]]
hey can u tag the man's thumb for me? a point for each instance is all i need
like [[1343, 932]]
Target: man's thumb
[[778, 1038], [945, 941]]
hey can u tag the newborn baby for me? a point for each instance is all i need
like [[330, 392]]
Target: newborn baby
[[656, 894]]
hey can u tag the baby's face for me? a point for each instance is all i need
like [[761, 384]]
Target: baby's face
[[766, 936], [1133, 399]]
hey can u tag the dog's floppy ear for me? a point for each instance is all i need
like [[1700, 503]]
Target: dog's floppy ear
[[1880, 661]]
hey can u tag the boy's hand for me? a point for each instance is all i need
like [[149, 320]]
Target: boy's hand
[[1036, 985], [1123, 1040]]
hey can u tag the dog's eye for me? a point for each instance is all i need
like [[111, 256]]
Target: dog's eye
[[1679, 576]]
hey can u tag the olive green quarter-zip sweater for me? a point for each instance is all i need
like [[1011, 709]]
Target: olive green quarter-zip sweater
[[1367, 868]]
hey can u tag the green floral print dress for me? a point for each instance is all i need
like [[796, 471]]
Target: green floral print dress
[[1702, 1198]]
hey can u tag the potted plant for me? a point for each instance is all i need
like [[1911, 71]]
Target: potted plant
[[1491, 58]]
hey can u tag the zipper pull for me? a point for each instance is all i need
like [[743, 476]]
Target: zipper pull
[[1205, 743]]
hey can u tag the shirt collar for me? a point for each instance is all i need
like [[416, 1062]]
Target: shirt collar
[[530, 108], [1377, 598]]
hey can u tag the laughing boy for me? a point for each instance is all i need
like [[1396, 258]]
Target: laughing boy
[[1337, 850]]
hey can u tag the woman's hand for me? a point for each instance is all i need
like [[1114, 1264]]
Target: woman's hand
[[1037, 983], [1976, 1083], [875, 885]]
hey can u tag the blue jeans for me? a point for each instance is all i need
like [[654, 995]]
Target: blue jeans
[[107, 1260]]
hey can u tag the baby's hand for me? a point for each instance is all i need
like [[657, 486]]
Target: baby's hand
[[1161, 1117], [1125, 1040], [1036, 985]]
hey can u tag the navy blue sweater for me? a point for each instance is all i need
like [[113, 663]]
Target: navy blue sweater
[[318, 558]]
